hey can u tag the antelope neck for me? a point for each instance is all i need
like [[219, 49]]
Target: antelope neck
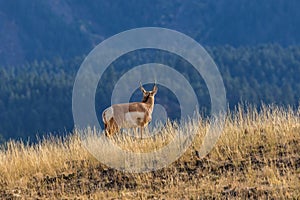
[[146, 98]]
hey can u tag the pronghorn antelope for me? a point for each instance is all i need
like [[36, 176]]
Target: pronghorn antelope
[[129, 115]]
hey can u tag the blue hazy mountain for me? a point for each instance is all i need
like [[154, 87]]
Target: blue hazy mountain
[[47, 29]]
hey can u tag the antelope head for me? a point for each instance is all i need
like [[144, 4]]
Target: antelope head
[[148, 96]]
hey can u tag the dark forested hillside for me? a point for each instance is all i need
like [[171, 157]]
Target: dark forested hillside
[[48, 29], [35, 98]]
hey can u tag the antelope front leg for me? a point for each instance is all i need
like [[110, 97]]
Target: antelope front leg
[[141, 130], [135, 131]]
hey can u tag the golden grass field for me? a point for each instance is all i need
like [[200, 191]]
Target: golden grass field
[[256, 157]]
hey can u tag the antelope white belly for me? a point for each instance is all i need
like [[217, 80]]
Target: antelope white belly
[[132, 118]]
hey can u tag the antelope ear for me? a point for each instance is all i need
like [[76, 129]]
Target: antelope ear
[[142, 89], [154, 90]]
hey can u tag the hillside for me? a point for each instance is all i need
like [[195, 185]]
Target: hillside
[[50, 29], [257, 157], [36, 98]]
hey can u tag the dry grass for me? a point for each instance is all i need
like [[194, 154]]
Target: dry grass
[[257, 156]]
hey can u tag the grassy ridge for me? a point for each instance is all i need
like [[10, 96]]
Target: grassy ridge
[[256, 156]]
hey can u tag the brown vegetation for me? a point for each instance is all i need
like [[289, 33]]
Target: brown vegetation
[[257, 156]]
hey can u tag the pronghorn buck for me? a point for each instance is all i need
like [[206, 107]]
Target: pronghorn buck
[[130, 115]]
